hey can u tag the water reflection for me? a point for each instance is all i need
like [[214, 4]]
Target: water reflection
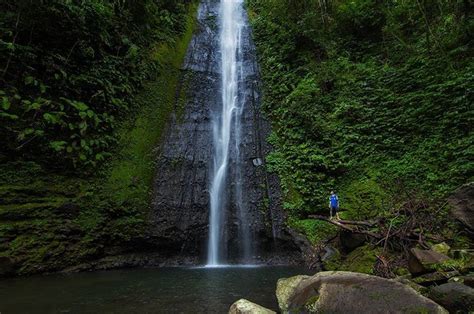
[[169, 290]]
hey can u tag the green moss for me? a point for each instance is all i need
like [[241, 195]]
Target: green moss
[[311, 305], [315, 230], [131, 171], [463, 264], [401, 271], [361, 260]]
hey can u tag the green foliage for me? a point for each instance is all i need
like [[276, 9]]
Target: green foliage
[[366, 97], [364, 198], [69, 73], [54, 219]]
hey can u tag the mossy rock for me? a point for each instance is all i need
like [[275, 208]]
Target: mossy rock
[[361, 260], [349, 292]]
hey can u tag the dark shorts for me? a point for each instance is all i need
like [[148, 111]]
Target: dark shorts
[[334, 211]]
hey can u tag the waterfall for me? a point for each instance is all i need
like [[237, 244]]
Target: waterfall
[[226, 126]]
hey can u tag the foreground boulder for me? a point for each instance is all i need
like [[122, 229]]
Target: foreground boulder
[[246, 307], [454, 296], [347, 292]]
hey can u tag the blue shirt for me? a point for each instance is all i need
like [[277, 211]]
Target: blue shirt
[[334, 201]]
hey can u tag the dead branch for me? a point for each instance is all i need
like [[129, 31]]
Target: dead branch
[[342, 225], [347, 222]]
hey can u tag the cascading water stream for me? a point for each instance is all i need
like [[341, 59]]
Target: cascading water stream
[[226, 128]]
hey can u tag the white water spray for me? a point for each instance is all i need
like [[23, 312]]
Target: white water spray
[[226, 123]]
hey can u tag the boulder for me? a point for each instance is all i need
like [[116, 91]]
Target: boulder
[[246, 307], [347, 292], [462, 205], [421, 261], [454, 296]]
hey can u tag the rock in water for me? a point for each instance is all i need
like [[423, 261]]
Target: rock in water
[[246, 307], [454, 296], [462, 205], [286, 288], [347, 292]]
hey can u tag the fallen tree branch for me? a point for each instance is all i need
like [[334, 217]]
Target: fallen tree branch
[[347, 222], [342, 225]]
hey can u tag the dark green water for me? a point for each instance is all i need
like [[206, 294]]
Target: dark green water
[[162, 290]]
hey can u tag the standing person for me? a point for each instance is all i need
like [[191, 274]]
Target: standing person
[[334, 205]]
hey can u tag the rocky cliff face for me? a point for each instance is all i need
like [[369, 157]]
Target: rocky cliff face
[[180, 211]]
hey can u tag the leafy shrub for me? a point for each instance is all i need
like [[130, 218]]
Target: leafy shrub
[[379, 97], [69, 73]]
